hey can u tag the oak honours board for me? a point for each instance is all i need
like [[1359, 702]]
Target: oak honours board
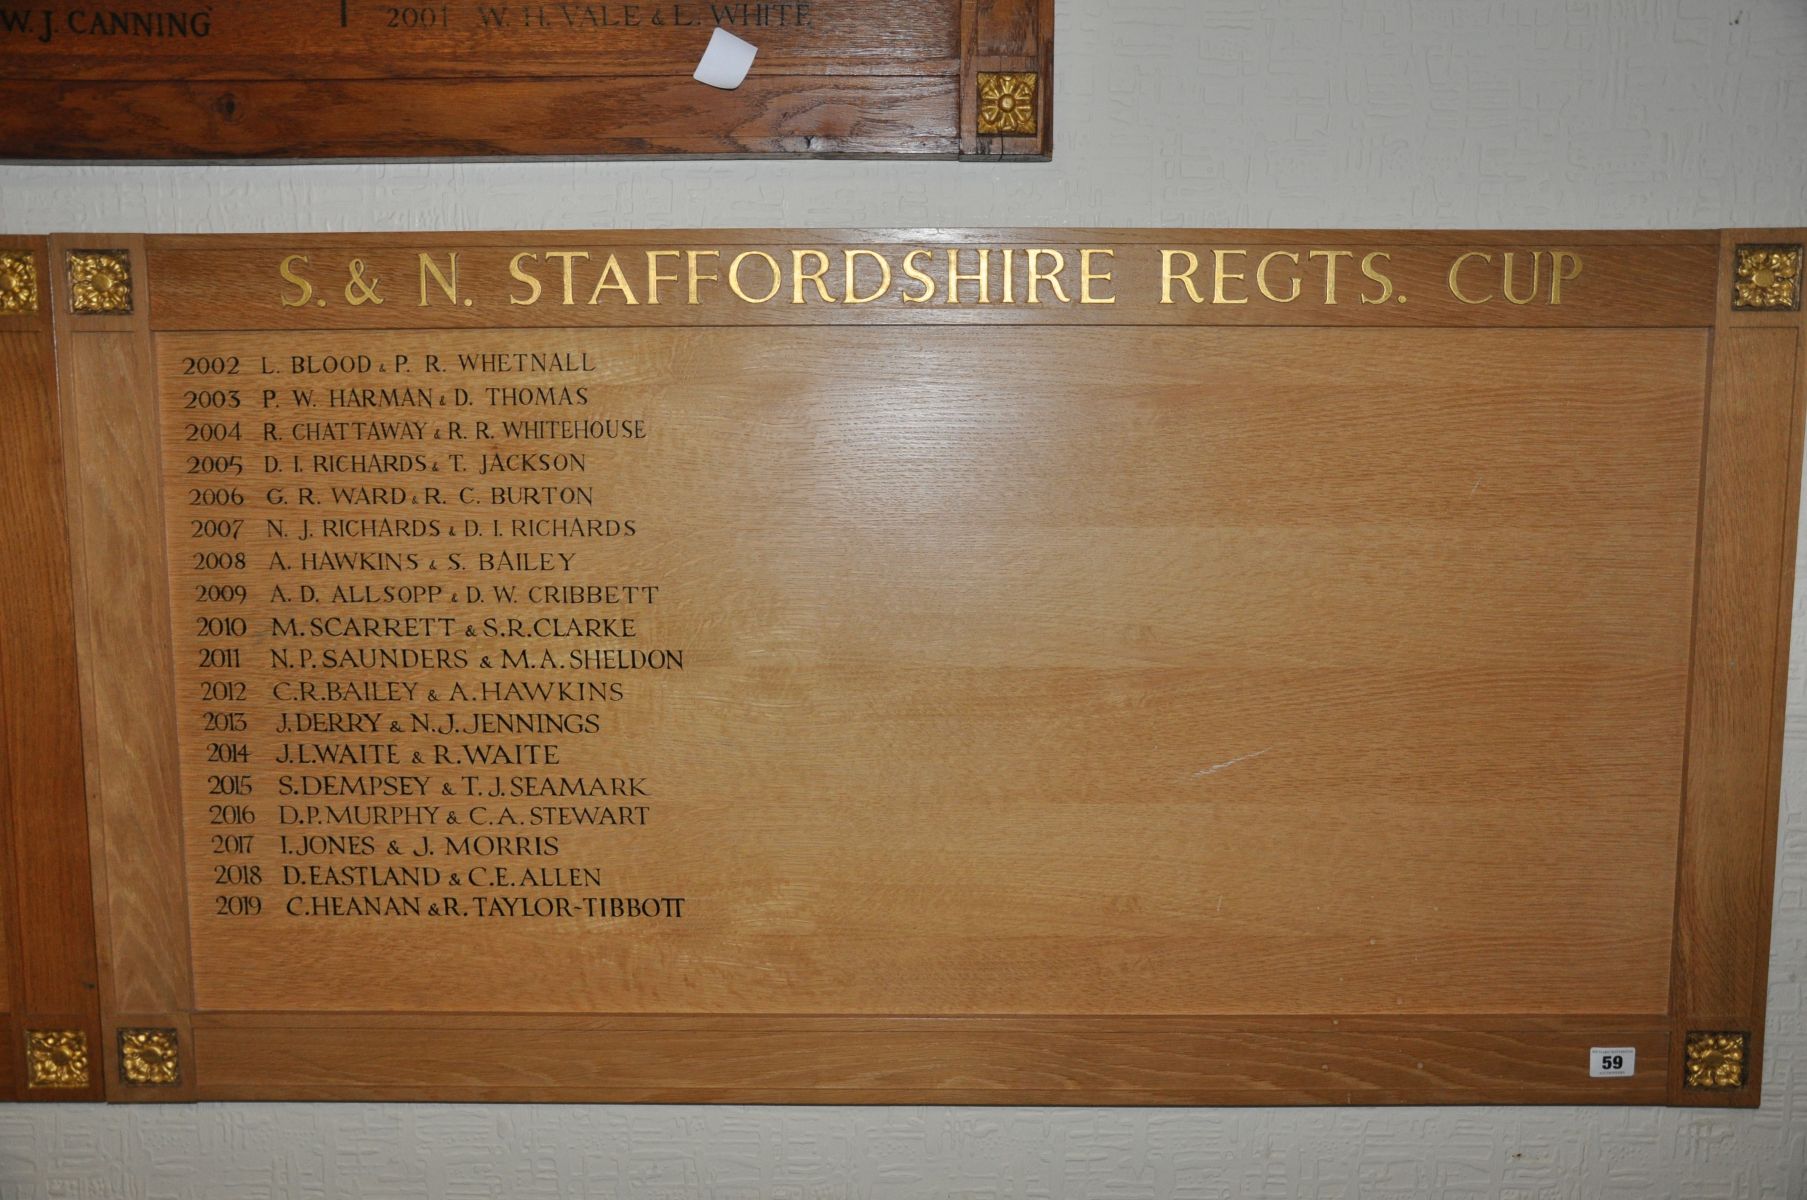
[[1052, 666], [236, 79]]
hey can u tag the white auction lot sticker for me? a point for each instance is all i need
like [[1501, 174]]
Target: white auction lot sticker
[[1611, 1062]]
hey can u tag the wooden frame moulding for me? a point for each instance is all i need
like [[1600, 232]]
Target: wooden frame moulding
[[54, 1035]]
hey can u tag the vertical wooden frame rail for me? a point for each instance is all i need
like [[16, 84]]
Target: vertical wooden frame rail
[[1007, 79], [1750, 506], [54, 1041], [121, 584]]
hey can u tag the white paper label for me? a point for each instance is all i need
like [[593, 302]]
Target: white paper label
[[726, 61], [1611, 1062]]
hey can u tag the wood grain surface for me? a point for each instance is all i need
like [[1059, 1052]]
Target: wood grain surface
[[841, 1060], [1031, 668], [53, 971], [1751, 480], [1291, 701], [882, 78], [801, 116], [243, 40], [121, 591]]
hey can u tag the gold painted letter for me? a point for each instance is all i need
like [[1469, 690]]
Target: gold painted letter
[[1330, 257], [1386, 284], [1052, 278], [696, 256], [1185, 277], [799, 276], [1564, 266], [653, 277], [430, 268], [1455, 287], [615, 279], [566, 256], [734, 275], [287, 268], [1531, 294], [849, 261], [514, 268], [1087, 276], [923, 277], [1293, 278], [955, 278], [1219, 276]]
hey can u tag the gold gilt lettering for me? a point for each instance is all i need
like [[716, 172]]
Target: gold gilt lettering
[[799, 276], [1330, 257], [850, 268], [955, 277], [1051, 278], [1564, 267], [653, 277], [430, 270], [1455, 271], [287, 269], [1168, 277], [1510, 272], [566, 257], [1292, 277], [533, 284], [1087, 277], [734, 276], [1386, 284], [359, 290], [1219, 276], [694, 258], [864, 275], [613, 279], [924, 278]]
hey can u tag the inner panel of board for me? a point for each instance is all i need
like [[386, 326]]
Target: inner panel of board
[[870, 670]]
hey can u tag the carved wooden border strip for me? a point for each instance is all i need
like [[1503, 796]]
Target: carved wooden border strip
[[53, 972], [121, 584], [1750, 508]]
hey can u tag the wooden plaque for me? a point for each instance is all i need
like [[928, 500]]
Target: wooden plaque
[[238, 79], [904, 666]]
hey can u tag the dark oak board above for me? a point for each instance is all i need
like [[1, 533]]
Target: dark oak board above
[[349, 79]]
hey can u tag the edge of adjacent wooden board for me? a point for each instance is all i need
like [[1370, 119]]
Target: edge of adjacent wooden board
[[915, 108], [53, 972]]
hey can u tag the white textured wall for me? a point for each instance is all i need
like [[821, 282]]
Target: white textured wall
[[1590, 113]]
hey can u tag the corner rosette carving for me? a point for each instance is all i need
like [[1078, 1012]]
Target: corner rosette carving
[[1768, 279], [149, 1057], [100, 281], [56, 1058], [18, 282], [1716, 1061], [1007, 102]]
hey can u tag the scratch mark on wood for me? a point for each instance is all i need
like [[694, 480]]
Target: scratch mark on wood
[[1232, 762]]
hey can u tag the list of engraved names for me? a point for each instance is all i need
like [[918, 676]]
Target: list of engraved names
[[412, 629]]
